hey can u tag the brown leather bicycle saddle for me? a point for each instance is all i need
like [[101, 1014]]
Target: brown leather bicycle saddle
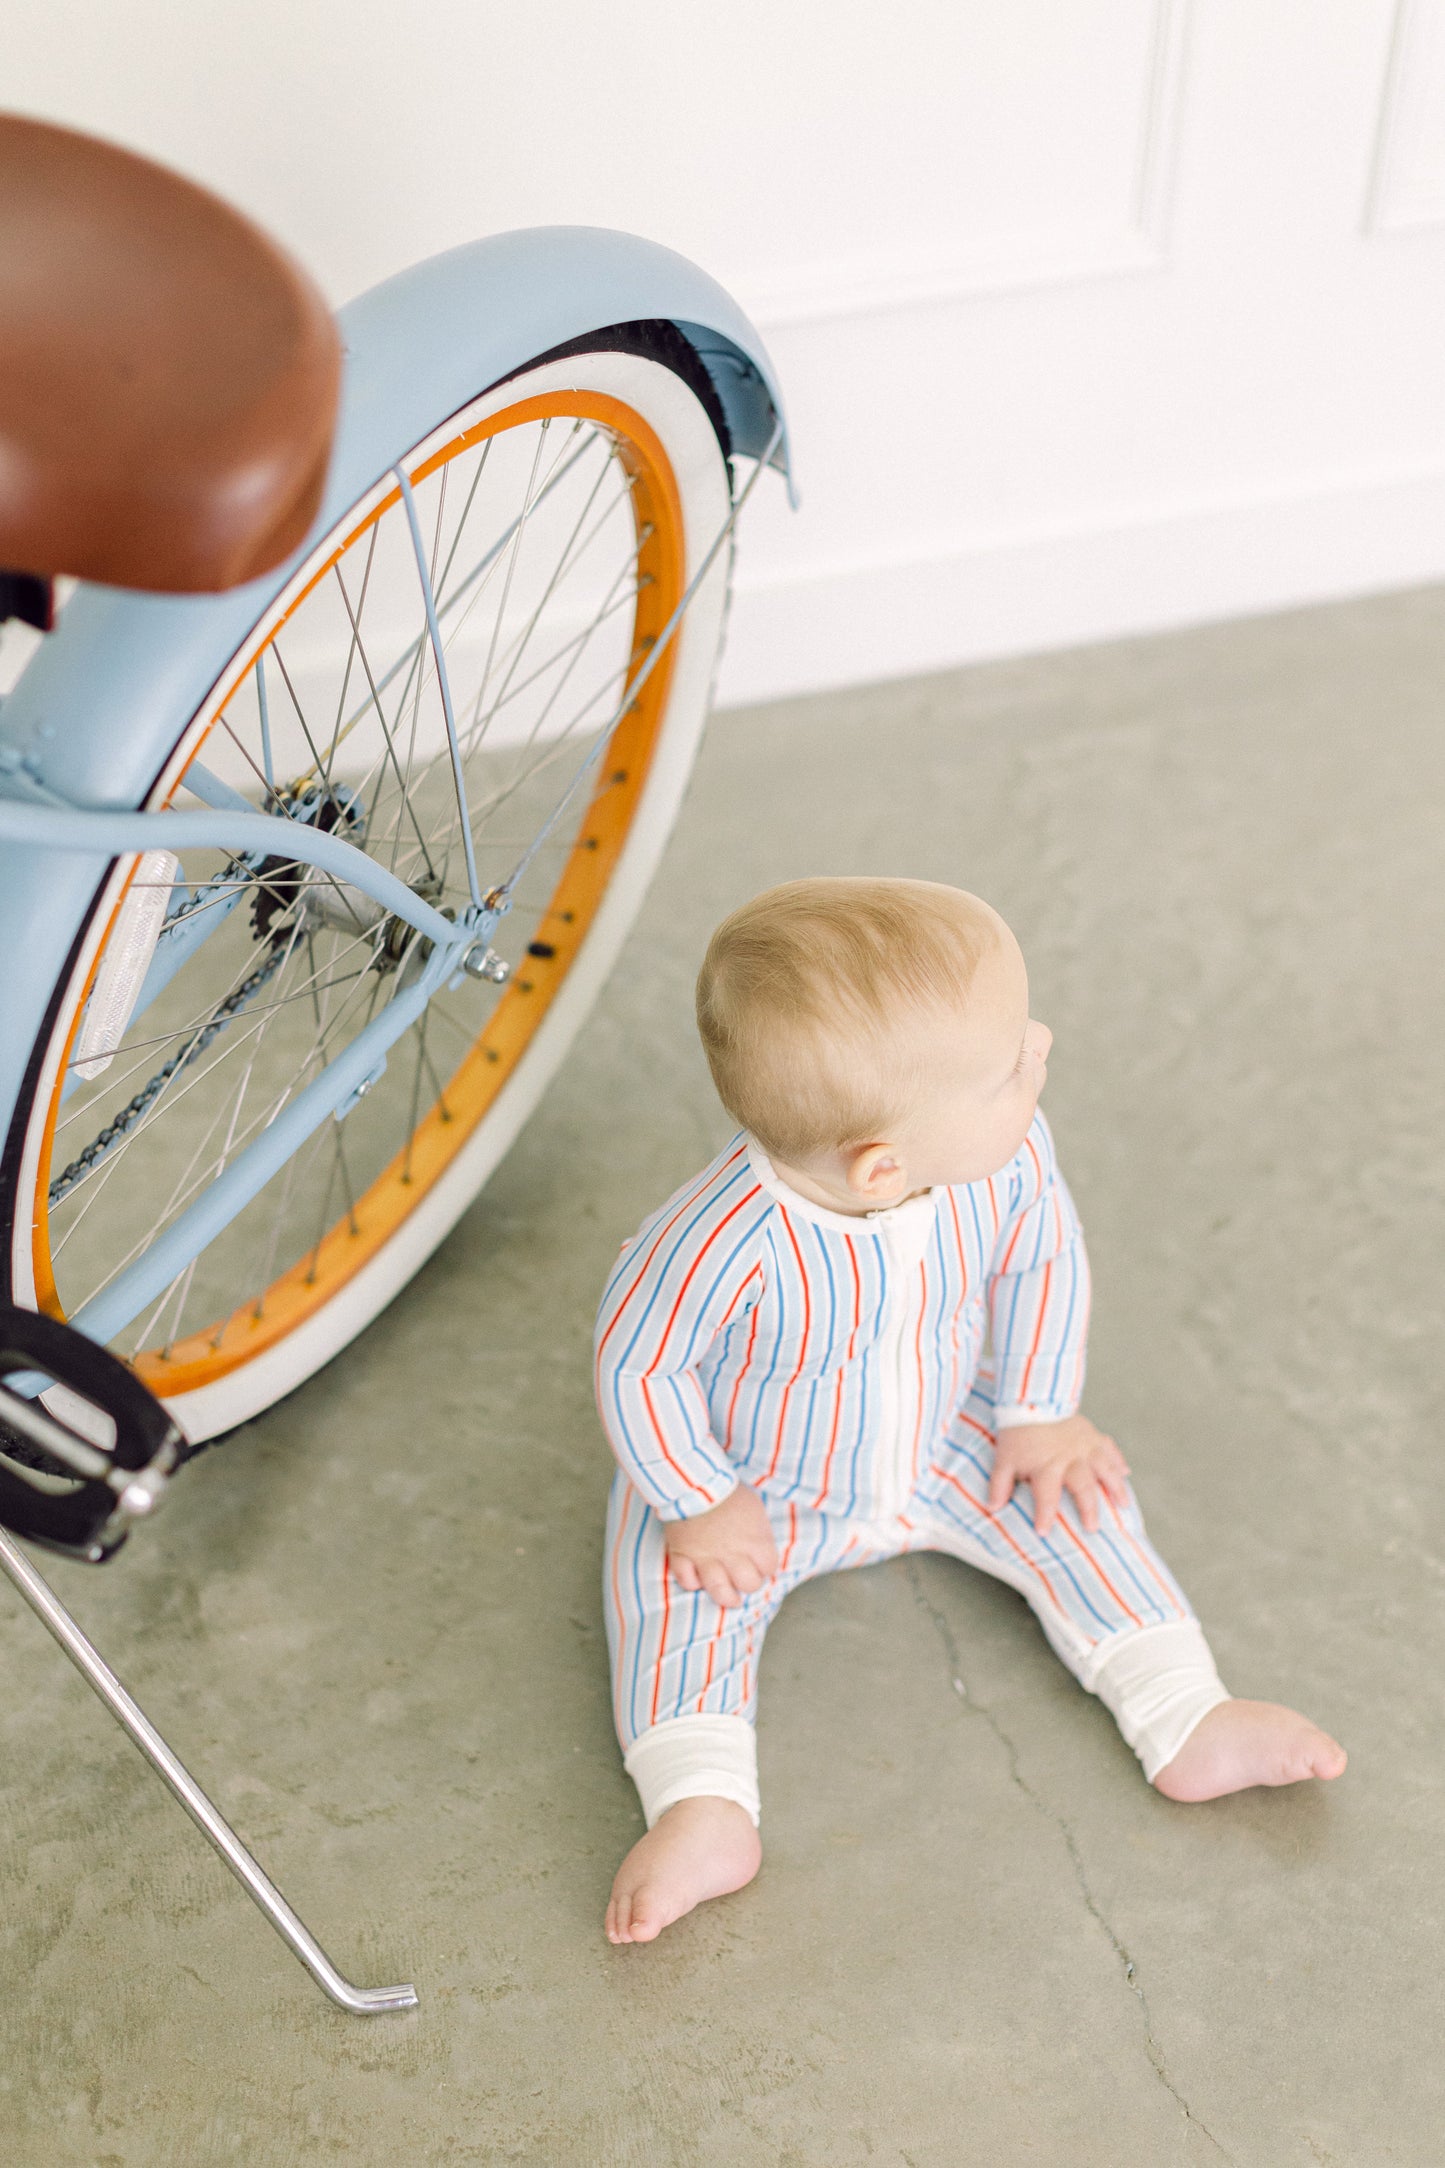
[[168, 376]]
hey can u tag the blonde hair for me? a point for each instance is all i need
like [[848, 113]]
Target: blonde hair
[[805, 998]]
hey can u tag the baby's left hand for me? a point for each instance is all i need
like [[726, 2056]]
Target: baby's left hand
[[1054, 1457]]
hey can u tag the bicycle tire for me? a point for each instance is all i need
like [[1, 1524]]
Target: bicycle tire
[[676, 442]]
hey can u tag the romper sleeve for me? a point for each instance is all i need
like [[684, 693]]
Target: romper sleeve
[[690, 1273], [1038, 1291]]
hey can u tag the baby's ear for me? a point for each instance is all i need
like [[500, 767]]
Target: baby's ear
[[874, 1171]]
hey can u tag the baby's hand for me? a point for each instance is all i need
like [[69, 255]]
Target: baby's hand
[[1054, 1457], [729, 1551]]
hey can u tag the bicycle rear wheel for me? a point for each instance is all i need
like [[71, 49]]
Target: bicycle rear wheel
[[563, 515]]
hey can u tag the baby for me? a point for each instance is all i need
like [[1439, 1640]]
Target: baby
[[859, 1332]]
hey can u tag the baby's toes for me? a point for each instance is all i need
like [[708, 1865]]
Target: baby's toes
[[619, 1919], [650, 1914], [1303, 1750], [1326, 1757]]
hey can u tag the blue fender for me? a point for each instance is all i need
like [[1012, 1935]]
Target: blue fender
[[95, 715]]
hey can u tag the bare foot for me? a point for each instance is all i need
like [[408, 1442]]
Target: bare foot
[[1248, 1742], [698, 1849]]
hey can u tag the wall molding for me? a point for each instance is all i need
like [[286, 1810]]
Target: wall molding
[[862, 286], [827, 627], [1393, 202]]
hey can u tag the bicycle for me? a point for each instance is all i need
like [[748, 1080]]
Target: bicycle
[[313, 862]]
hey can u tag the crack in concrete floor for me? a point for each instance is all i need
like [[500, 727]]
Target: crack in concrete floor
[[1152, 2046]]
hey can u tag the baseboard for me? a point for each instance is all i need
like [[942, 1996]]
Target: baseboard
[[808, 631]]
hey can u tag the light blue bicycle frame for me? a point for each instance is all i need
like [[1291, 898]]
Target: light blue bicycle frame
[[95, 716]]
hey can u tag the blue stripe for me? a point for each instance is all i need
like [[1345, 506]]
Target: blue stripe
[[861, 1437], [1148, 1595], [1044, 1543], [1066, 1328], [641, 1620], [763, 1376], [657, 1272], [724, 1277]]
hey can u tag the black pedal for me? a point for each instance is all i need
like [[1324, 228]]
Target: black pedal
[[58, 1486]]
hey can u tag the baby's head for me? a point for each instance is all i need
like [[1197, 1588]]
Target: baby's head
[[873, 1035]]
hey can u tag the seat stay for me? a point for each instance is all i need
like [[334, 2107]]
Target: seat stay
[[340, 1084], [113, 834], [206, 909]]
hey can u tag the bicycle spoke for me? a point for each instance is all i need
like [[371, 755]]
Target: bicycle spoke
[[474, 584], [565, 563], [109, 1164], [514, 554], [181, 1190], [179, 1287], [462, 522], [298, 1166], [300, 712], [350, 652], [437, 698], [391, 753], [609, 604], [180, 1200]]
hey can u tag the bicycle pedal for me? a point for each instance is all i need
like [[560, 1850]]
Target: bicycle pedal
[[79, 1466]]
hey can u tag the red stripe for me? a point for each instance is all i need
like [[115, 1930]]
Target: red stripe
[[620, 1668], [662, 1637], [755, 1274], [979, 1507], [802, 1347], [857, 1295], [918, 1361], [692, 1268], [1143, 1556], [722, 1619], [738, 1380], [962, 1299], [832, 1441], [1075, 1538], [838, 1382], [658, 1433], [958, 1238], [1030, 1358], [786, 1560], [687, 1203]]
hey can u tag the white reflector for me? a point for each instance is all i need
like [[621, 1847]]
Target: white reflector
[[126, 961]]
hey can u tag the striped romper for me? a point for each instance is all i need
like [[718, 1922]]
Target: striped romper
[[837, 1364]]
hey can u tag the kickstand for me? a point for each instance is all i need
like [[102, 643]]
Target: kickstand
[[363, 2001]]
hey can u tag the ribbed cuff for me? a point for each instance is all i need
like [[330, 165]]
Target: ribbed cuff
[[1011, 1418], [695, 1757], [695, 1503], [1158, 1684]]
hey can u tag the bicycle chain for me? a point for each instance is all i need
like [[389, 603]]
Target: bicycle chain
[[136, 1110]]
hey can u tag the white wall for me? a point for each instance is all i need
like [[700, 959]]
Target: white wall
[[1093, 315]]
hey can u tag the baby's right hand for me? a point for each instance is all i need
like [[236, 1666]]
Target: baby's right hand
[[728, 1551]]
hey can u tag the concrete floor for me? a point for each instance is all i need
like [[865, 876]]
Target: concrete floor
[[371, 1621]]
